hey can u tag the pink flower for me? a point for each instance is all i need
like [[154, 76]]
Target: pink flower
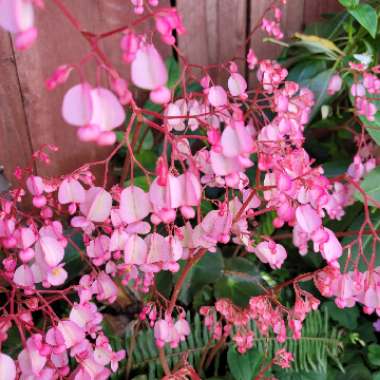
[[308, 219], [17, 16], [148, 71], [71, 191], [72, 334], [105, 288], [134, 204], [96, 110], [7, 367], [217, 96], [97, 204], [271, 253], [335, 84], [237, 85]]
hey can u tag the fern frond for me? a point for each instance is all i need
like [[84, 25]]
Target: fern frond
[[319, 342]]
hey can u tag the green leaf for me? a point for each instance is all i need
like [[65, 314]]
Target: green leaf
[[306, 69], [241, 280], [302, 375], [349, 3], [206, 271], [147, 159], [366, 16], [318, 84], [316, 44], [174, 71], [246, 366], [371, 186], [374, 354], [347, 317]]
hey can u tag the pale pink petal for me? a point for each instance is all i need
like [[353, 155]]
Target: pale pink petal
[[107, 111], [158, 249], [71, 332], [97, 205], [134, 204], [237, 84], [51, 250], [222, 165], [16, 15], [23, 276], [148, 70], [77, 105], [57, 276], [70, 190], [7, 367], [217, 96], [135, 251]]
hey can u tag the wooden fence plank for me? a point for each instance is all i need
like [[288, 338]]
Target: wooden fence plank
[[314, 9], [215, 31], [15, 148]]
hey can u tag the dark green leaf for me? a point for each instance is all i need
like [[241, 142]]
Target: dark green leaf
[[174, 71], [241, 280], [347, 317], [302, 375], [207, 271], [374, 354], [366, 16], [246, 366], [318, 84], [139, 181]]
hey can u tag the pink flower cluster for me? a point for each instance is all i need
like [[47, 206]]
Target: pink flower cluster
[[227, 320]]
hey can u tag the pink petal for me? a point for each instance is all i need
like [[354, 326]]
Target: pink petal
[[222, 165], [16, 15], [70, 190], [107, 111], [237, 84], [217, 96], [71, 332], [51, 250], [158, 248], [135, 250], [23, 276], [134, 204], [307, 218], [57, 276], [97, 205], [7, 367], [148, 70], [77, 105]]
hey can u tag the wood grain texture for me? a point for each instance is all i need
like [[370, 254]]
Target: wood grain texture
[[313, 10], [215, 31], [15, 147], [292, 22]]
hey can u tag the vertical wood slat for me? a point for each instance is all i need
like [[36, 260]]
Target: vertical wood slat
[[314, 9], [59, 43], [215, 31], [15, 148], [292, 21]]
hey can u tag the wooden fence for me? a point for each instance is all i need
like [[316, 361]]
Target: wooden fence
[[30, 115]]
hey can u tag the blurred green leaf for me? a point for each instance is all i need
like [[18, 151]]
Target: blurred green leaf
[[174, 71], [366, 16], [347, 317], [244, 366], [206, 271], [350, 3], [318, 84], [374, 354]]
